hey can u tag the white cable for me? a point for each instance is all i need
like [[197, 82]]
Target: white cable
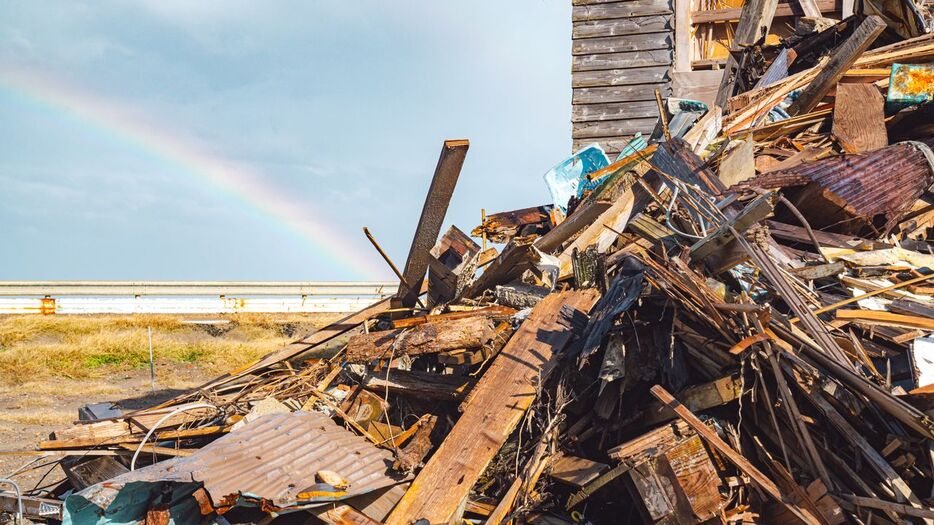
[[19, 498], [161, 421]]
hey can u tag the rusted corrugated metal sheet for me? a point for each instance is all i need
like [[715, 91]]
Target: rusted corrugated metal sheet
[[881, 183], [270, 462]]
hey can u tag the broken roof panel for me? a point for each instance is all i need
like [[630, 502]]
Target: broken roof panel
[[272, 462]]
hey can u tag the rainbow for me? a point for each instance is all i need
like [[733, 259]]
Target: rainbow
[[243, 183]]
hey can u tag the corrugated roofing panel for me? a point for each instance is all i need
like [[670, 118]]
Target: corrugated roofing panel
[[273, 459]]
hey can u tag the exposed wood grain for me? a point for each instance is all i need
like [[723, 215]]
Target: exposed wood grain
[[618, 44], [614, 111], [683, 36], [754, 22], [886, 319], [426, 385], [625, 60], [618, 93], [622, 26], [840, 61], [620, 77], [859, 118], [501, 397], [470, 332], [612, 128], [732, 14], [434, 209], [620, 10], [711, 437]]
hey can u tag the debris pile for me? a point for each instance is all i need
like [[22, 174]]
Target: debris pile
[[729, 323]]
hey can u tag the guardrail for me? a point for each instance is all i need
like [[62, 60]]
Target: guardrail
[[188, 297]]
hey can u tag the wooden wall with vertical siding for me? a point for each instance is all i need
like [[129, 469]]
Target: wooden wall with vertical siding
[[622, 51]]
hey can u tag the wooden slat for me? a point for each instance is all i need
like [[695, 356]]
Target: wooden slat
[[711, 437], [620, 77], [611, 128], [625, 60], [614, 111], [497, 405], [602, 95], [731, 14], [841, 60], [859, 118], [620, 10], [622, 26], [612, 146], [619, 44]]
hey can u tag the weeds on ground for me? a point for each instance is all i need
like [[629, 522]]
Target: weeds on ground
[[81, 347]]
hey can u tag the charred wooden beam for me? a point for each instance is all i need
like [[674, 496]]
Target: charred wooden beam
[[471, 332]]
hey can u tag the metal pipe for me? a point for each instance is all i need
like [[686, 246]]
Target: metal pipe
[[163, 419], [19, 498]]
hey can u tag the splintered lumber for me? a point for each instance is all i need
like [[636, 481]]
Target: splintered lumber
[[307, 343], [432, 218], [412, 454], [493, 311], [497, 404], [427, 338], [341, 514], [427, 385], [711, 437], [840, 61], [754, 23], [886, 319], [858, 118], [576, 471], [697, 398]]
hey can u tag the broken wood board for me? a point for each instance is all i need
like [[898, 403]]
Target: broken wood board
[[858, 118], [469, 332], [500, 399]]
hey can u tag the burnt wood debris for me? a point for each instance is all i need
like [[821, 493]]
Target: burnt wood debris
[[729, 321]]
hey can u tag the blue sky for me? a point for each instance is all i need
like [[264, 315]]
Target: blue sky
[[340, 106]]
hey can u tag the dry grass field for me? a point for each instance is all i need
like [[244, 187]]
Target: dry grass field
[[52, 365]]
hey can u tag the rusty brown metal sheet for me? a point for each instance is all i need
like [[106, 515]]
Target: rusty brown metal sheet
[[882, 182], [271, 461]]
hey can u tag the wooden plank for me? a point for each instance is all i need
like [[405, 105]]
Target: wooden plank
[[754, 23], [711, 437], [618, 44], [732, 14], [697, 398], [840, 61], [625, 60], [431, 219], [500, 399], [620, 27], [611, 145], [683, 37], [426, 385], [341, 514], [614, 111], [618, 93], [611, 128], [576, 471], [469, 332], [886, 318], [627, 9], [620, 77], [859, 118]]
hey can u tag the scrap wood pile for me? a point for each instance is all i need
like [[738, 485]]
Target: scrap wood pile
[[730, 323]]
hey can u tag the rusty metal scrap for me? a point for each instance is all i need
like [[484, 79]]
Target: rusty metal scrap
[[672, 351]]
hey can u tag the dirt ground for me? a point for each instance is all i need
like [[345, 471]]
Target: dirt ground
[[50, 366], [31, 411]]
